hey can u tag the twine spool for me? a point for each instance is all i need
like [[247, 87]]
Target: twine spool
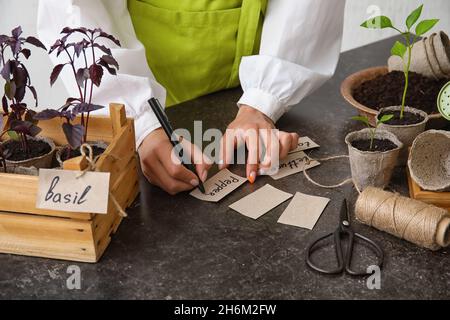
[[420, 223]]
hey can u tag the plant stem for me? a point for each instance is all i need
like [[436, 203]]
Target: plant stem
[[406, 71], [90, 93], [405, 90], [86, 66], [72, 64], [372, 137]]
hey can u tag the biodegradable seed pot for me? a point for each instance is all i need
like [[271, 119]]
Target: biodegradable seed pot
[[18, 158], [61, 154], [372, 168], [429, 160], [441, 46], [406, 129], [429, 57]]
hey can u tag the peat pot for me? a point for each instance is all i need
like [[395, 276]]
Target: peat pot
[[372, 168]]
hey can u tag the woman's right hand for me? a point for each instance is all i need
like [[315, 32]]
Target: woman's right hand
[[163, 169]]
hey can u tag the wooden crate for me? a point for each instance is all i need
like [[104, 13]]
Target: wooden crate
[[440, 199], [26, 230]]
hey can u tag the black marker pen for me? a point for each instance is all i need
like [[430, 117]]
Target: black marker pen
[[164, 121]]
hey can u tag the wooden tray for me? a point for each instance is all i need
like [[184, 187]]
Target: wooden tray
[[440, 199], [26, 230]]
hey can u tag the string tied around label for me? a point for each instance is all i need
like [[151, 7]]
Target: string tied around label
[[91, 166]]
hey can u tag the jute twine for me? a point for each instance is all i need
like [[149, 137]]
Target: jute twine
[[92, 167], [332, 186], [422, 224]]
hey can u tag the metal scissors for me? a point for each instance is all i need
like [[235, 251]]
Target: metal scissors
[[344, 259]]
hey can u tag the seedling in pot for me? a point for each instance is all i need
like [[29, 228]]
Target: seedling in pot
[[20, 123], [94, 58], [373, 130], [400, 49]]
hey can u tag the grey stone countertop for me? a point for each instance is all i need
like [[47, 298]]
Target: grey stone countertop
[[177, 247]]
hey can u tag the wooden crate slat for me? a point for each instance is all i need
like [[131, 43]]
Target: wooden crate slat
[[124, 191], [119, 153], [18, 194], [99, 129], [46, 237]]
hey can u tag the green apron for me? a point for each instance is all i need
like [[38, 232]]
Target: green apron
[[194, 47]]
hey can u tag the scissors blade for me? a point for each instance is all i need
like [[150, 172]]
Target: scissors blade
[[344, 216]]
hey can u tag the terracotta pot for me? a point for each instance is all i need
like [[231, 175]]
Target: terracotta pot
[[429, 160], [44, 161], [405, 133], [99, 144], [353, 81], [371, 168]]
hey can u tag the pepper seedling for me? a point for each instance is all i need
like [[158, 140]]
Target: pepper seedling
[[373, 130], [20, 121], [400, 49], [91, 73]]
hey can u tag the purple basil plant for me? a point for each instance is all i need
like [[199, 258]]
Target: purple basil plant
[[20, 121], [87, 76]]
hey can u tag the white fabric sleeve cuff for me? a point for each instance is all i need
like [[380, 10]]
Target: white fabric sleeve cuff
[[144, 124], [264, 102]]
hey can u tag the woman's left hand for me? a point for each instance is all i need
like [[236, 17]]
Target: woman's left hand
[[254, 128]]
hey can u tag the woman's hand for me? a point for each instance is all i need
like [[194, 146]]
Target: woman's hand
[[248, 127], [163, 168]]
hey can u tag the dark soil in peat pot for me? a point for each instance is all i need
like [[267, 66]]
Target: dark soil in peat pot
[[387, 90], [379, 145], [408, 118], [66, 154], [38, 148]]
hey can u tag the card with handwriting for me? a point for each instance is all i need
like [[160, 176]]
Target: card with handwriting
[[294, 163], [66, 190], [218, 186], [304, 143], [260, 202], [303, 211]]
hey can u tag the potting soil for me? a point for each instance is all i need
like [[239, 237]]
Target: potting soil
[[37, 148], [387, 90], [379, 145]]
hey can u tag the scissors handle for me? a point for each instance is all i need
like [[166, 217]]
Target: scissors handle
[[372, 246], [339, 255], [344, 261]]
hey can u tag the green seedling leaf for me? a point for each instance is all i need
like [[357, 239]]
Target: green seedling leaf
[[399, 49], [385, 118], [379, 22], [362, 119], [10, 89], [425, 25], [413, 17], [13, 135]]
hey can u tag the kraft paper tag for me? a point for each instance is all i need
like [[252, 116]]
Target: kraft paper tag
[[304, 143], [294, 163], [61, 190], [218, 186], [303, 211], [260, 202]]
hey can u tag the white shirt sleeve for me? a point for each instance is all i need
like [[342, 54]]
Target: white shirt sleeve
[[300, 48], [134, 83]]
